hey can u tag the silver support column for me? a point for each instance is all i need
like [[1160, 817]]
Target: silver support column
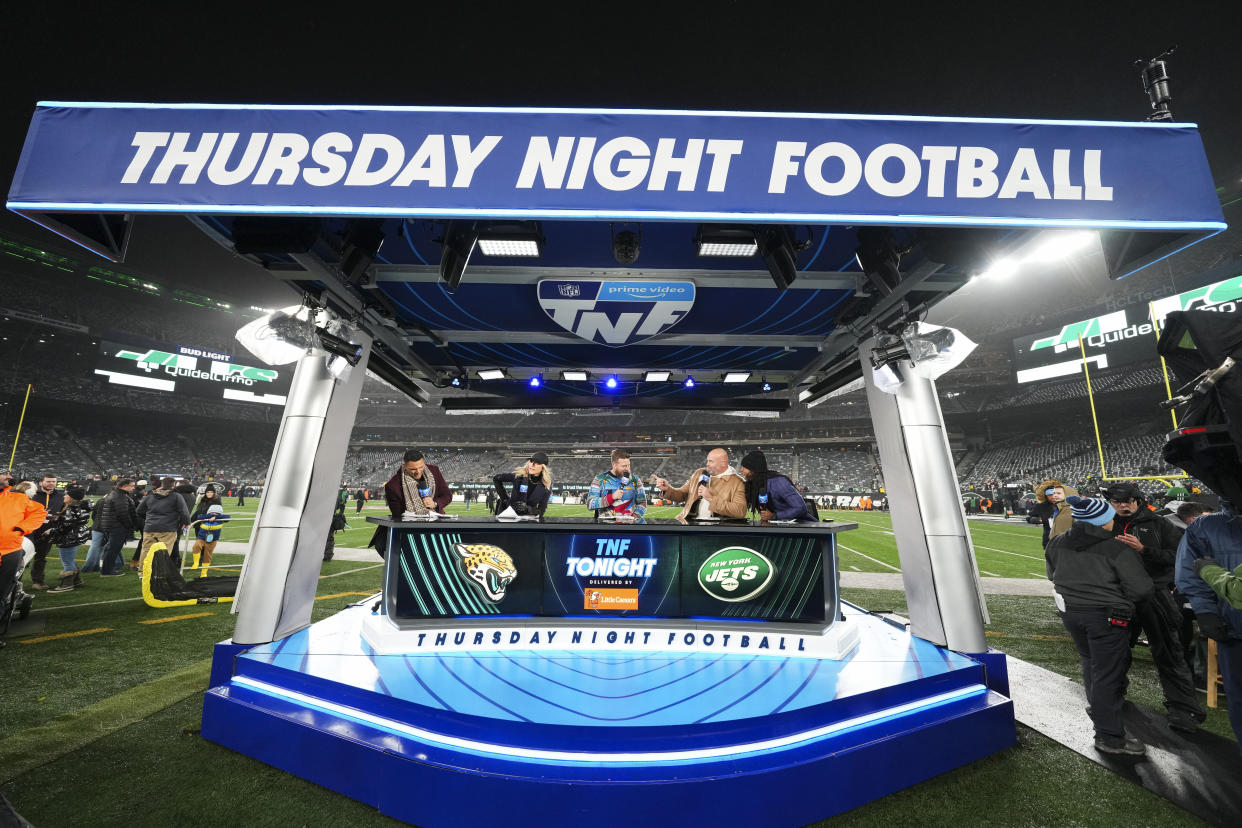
[[281, 572], [943, 592]]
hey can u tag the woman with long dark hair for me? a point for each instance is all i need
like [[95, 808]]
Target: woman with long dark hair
[[771, 493]]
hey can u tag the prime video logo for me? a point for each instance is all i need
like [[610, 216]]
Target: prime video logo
[[639, 292]]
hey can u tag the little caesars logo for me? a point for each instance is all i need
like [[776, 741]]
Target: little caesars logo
[[735, 574]]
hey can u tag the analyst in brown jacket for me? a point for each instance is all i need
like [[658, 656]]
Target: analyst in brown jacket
[[728, 494]]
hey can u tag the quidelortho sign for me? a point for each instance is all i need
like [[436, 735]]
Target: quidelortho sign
[[613, 164], [1113, 339]]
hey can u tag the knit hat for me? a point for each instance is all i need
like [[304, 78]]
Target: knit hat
[[76, 492], [756, 462], [215, 510], [1090, 510], [142, 483]]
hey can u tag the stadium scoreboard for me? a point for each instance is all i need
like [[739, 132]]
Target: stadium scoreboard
[[191, 371]]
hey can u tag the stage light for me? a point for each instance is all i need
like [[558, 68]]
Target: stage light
[[766, 386], [536, 381], [516, 239], [1001, 269], [611, 383], [688, 382], [726, 242], [457, 382], [456, 246], [492, 374], [574, 376], [737, 376], [626, 245], [657, 376], [779, 255], [1054, 246], [338, 346], [878, 257]]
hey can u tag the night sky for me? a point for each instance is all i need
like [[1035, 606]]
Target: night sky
[[1073, 62]]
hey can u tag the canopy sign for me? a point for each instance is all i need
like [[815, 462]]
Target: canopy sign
[[604, 164]]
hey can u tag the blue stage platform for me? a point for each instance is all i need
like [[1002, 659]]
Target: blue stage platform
[[544, 738]]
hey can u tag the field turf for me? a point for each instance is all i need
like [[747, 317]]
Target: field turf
[[103, 705]]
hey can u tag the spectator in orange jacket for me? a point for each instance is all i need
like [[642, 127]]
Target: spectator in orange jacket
[[19, 516]]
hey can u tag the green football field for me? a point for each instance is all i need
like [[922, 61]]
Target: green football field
[[1003, 549], [105, 696]]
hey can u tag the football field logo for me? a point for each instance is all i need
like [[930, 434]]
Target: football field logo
[[615, 313], [736, 574]]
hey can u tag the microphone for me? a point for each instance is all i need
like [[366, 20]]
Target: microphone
[[705, 478]]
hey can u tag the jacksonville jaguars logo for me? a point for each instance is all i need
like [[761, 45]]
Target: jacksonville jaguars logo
[[487, 568], [615, 313]]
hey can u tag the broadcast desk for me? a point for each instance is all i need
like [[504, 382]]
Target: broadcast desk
[[542, 673]]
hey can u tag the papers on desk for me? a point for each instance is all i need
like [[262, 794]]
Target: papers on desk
[[615, 518], [696, 519], [414, 517], [782, 522], [509, 514]]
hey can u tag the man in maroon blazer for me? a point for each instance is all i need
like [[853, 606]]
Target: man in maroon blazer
[[417, 487]]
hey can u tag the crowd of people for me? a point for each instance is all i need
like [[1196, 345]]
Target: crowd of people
[[1120, 569]]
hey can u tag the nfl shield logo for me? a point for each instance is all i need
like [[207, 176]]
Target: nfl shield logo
[[615, 313]]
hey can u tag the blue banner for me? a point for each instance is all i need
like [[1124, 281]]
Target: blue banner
[[613, 164]]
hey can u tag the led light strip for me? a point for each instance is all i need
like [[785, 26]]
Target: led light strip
[[700, 755]]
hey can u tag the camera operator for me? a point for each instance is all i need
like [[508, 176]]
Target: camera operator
[[531, 487], [1155, 540]]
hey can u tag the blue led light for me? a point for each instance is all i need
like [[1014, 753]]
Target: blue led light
[[767, 387], [610, 383], [536, 381], [689, 382], [455, 382]]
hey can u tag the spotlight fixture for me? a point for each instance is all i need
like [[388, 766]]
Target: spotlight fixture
[[514, 240], [767, 386], [657, 376], [688, 382], [878, 257], [574, 376], [492, 374], [726, 242], [456, 246], [626, 245], [337, 346], [776, 247], [611, 383], [737, 376], [536, 381], [457, 382]]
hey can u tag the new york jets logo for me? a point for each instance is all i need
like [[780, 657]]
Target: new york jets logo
[[615, 313], [736, 574]]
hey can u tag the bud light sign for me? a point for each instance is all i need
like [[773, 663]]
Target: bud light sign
[[615, 313]]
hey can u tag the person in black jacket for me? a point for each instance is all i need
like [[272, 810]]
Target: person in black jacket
[[1097, 582], [1155, 540], [118, 521], [531, 487], [53, 500], [163, 514]]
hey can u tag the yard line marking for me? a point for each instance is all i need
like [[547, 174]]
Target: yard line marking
[[355, 569], [177, 618], [91, 604], [1007, 552], [1038, 575], [985, 572], [63, 635], [868, 557], [856, 569], [1003, 532], [342, 595]]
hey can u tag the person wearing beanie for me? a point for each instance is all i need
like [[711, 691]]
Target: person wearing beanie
[[531, 487], [1097, 582], [1155, 540], [770, 493], [71, 530]]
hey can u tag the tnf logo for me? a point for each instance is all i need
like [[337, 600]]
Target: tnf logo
[[615, 313]]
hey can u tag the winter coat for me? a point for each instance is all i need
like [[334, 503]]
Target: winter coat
[[19, 516], [1054, 517], [1160, 540], [531, 492], [163, 511], [1219, 536], [784, 501], [188, 493], [117, 512], [1091, 570], [73, 526], [52, 503], [728, 492]]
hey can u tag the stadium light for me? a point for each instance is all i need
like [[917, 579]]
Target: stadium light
[[574, 376], [737, 376], [516, 240], [657, 376], [1053, 246], [492, 374]]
